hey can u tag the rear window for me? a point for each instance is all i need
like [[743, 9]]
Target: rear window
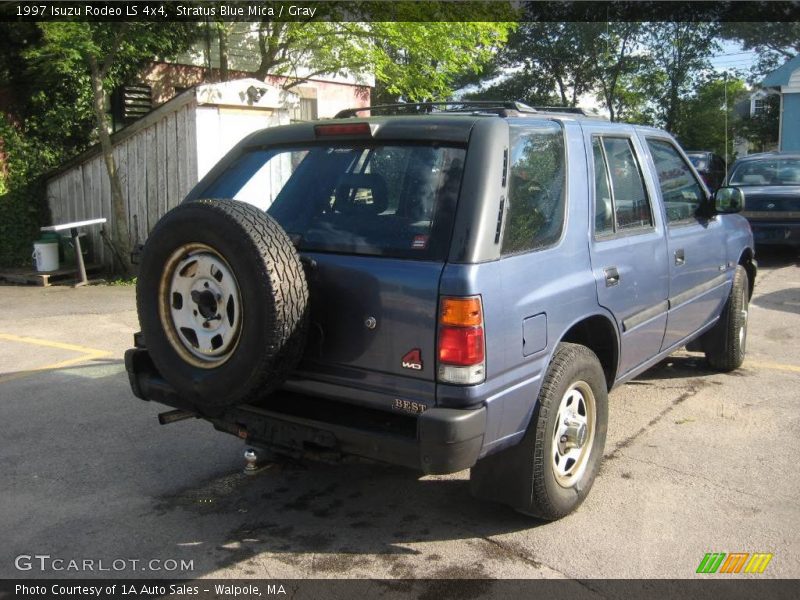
[[392, 200], [773, 171]]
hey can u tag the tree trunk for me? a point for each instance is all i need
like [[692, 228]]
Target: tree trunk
[[222, 30], [119, 227]]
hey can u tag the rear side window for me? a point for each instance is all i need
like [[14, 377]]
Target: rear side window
[[621, 202], [681, 192], [393, 200], [536, 194]]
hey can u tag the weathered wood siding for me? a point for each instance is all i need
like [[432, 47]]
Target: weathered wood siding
[[159, 159], [157, 167]]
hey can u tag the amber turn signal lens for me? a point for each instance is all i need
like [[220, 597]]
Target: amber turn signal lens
[[461, 312]]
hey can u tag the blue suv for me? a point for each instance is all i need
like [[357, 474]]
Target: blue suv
[[458, 286]]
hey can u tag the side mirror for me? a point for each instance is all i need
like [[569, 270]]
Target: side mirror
[[728, 200]]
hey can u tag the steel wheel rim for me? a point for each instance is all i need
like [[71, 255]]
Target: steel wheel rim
[[200, 305], [573, 434]]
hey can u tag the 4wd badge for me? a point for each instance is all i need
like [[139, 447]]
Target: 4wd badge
[[413, 360]]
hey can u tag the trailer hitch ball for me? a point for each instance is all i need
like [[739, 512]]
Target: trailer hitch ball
[[251, 458]]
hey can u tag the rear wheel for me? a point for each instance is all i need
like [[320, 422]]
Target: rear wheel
[[222, 302], [725, 344], [550, 472]]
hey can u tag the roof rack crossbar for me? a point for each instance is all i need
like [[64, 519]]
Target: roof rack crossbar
[[428, 107]]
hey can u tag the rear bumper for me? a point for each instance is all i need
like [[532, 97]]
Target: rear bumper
[[440, 440], [772, 233]]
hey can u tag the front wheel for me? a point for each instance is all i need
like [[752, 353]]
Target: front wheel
[[550, 472], [726, 342]]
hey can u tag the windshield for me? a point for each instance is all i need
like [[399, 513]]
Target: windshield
[[394, 200], [768, 171]]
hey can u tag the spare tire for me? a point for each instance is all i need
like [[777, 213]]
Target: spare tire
[[222, 301]]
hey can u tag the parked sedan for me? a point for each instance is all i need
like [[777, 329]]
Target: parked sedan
[[771, 185], [710, 166]]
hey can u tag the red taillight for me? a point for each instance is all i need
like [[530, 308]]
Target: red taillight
[[342, 129], [461, 352], [461, 346]]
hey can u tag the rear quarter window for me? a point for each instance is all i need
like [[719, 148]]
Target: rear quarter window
[[536, 195]]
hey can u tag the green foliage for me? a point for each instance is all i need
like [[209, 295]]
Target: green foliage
[[50, 116], [420, 61], [678, 53], [703, 118], [123, 48], [547, 63], [415, 61], [640, 72], [762, 129], [619, 68], [122, 282], [22, 204]]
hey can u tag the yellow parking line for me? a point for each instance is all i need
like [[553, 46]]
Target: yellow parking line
[[50, 343], [87, 354], [771, 365]]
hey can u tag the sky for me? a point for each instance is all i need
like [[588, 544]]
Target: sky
[[731, 56]]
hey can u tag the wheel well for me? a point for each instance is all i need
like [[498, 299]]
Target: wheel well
[[746, 260], [599, 335]]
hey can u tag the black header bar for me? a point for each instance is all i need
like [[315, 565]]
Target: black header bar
[[401, 10]]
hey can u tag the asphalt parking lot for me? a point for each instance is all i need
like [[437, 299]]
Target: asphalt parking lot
[[696, 462]]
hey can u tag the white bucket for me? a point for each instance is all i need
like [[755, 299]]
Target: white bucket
[[46, 256]]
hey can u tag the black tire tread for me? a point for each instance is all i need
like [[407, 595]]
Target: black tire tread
[[566, 356], [721, 344], [280, 276]]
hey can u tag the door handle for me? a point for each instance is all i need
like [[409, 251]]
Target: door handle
[[612, 276], [680, 258]]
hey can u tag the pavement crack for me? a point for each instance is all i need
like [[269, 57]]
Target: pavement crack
[[694, 388], [705, 479], [508, 551]]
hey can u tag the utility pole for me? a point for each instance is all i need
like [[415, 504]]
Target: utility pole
[[726, 125]]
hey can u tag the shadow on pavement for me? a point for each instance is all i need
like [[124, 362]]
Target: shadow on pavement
[[787, 300], [773, 257], [92, 474], [677, 367]]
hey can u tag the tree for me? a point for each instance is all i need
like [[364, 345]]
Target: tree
[[774, 43], [545, 62], [417, 61], [102, 55], [703, 117], [43, 123], [414, 61], [617, 62], [679, 51], [762, 129]]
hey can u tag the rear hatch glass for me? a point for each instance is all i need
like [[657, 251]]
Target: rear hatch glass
[[379, 200]]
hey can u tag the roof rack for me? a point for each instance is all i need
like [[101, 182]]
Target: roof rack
[[572, 110], [504, 108]]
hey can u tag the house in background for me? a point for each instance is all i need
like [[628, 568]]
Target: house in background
[[176, 120], [785, 80], [321, 95]]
